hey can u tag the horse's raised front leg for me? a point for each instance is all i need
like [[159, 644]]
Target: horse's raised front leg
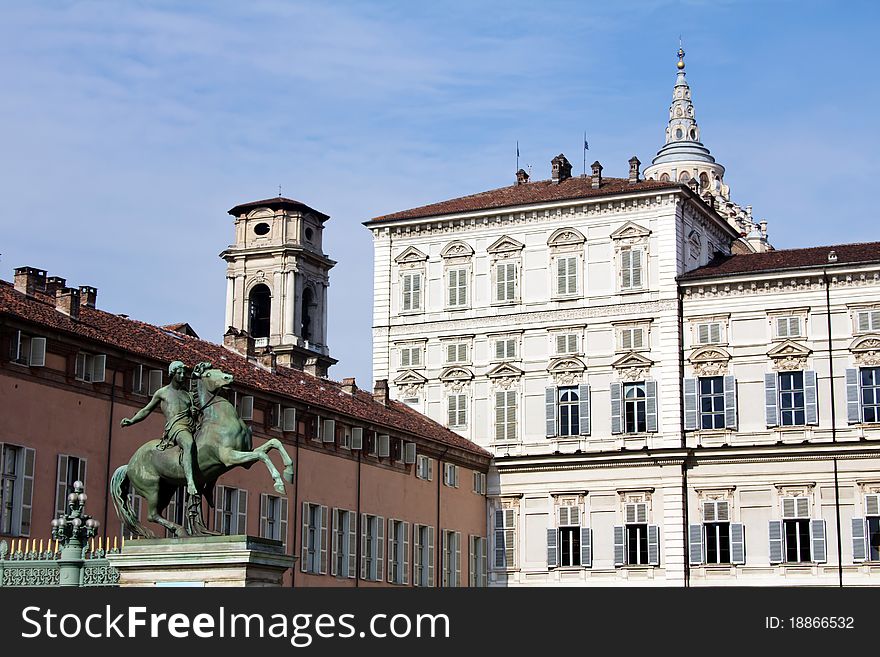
[[230, 457], [274, 443]]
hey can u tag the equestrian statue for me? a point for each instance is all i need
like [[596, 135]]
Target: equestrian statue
[[203, 438]]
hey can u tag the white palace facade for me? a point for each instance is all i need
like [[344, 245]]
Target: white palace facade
[[669, 400]]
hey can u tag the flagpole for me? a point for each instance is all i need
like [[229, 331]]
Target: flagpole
[[585, 153], [517, 154]]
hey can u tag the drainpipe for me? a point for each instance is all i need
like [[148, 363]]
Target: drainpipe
[[437, 556], [685, 462], [109, 447], [833, 427], [358, 528], [295, 501]]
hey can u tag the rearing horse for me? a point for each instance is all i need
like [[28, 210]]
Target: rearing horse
[[223, 442]]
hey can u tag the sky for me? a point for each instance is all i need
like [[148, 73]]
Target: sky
[[128, 129]]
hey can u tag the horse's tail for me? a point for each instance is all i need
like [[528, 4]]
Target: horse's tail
[[119, 489]]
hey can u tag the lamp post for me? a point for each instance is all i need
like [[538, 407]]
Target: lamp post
[[72, 530]]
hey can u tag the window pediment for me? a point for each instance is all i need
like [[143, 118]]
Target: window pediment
[[566, 237], [409, 378], [457, 249], [565, 365], [411, 254], [632, 360], [866, 350], [789, 356], [456, 374], [504, 370], [710, 361], [505, 244], [630, 231]]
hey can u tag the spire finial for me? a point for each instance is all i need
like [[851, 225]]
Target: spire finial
[[680, 55]]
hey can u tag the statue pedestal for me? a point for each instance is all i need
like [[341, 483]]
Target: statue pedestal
[[202, 561]]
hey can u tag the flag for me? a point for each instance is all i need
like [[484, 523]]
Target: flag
[[517, 148], [586, 145]]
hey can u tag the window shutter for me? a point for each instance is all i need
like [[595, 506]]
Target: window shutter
[[722, 511], [817, 538], [364, 531], [730, 402], [79, 368], [552, 547], [219, 496], [406, 553], [430, 556], [409, 456], [626, 338], [616, 419], [653, 545], [384, 445], [417, 555], [788, 508], [456, 575], [304, 551], [264, 522], [154, 381], [703, 333], [853, 407], [859, 540], [289, 422], [380, 551], [771, 399], [357, 438], [15, 347], [334, 542], [472, 558], [690, 404], [584, 408], [417, 292], [782, 327], [247, 408], [99, 365], [392, 565], [452, 410], [282, 523], [27, 492], [872, 505], [328, 435], [737, 543], [499, 538], [626, 268], [560, 344], [709, 512], [511, 282], [550, 410], [452, 284], [586, 547], [430, 469], [241, 521], [637, 268], [455, 475], [811, 406], [451, 353], [61, 486], [651, 405], [499, 349], [775, 534], [619, 545], [695, 543], [137, 379], [38, 352]]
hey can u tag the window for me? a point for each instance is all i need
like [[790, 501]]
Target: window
[[477, 575], [630, 268], [457, 407], [636, 543], [867, 321], [90, 367], [568, 544], [343, 559], [788, 326], [566, 343], [16, 489], [632, 338], [480, 483], [424, 467], [398, 551], [412, 292], [797, 538], [712, 402], [505, 538], [372, 548], [869, 381], [451, 562], [423, 555], [635, 408], [567, 410], [457, 352], [450, 475], [709, 333], [345, 437], [866, 531], [505, 282], [230, 514], [273, 518], [411, 356], [28, 350], [791, 398], [717, 540], [505, 415], [70, 470], [505, 348], [313, 558], [566, 275], [244, 405], [457, 287], [569, 406]]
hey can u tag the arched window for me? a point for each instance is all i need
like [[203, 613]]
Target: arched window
[[704, 180], [308, 302], [684, 177], [259, 311], [664, 177]]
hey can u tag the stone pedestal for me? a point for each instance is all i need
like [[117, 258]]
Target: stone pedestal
[[202, 561]]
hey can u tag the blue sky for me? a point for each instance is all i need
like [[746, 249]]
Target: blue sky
[[130, 128]]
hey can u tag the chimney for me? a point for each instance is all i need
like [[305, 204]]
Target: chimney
[[67, 301], [560, 168], [29, 280], [54, 283], [268, 359], [349, 386], [380, 392], [239, 341], [88, 296], [634, 169], [522, 177], [596, 180], [313, 367]]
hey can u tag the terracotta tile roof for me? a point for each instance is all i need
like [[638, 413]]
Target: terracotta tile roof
[[277, 203], [155, 342], [816, 256], [182, 327], [540, 191]]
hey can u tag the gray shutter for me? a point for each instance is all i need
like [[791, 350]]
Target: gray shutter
[[430, 556], [859, 540], [380, 548], [499, 538], [811, 406], [241, 524], [99, 366], [61, 486], [409, 456], [334, 542], [653, 545], [405, 557], [550, 410], [695, 543], [619, 545], [154, 381], [690, 404], [27, 492], [552, 547], [730, 402], [38, 352], [282, 523], [771, 400], [586, 547], [364, 531], [457, 574], [625, 268], [264, 524], [304, 539], [472, 558], [351, 527], [357, 438], [817, 538], [384, 448], [737, 543], [584, 408], [323, 562], [651, 405], [328, 435], [616, 409], [247, 407], [775, 534], [853, 407]]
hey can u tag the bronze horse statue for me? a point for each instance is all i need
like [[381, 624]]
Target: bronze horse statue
[[223, 442]]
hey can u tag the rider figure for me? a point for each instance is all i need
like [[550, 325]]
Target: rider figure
[[176, 404]]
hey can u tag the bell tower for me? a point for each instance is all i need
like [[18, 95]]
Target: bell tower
[[277, 277]]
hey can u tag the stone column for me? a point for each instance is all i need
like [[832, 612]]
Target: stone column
[[289, 309], [240, 312], [297, 303], [276, 319], [230, 301]]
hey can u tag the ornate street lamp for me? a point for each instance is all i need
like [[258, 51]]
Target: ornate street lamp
[[73, 530]]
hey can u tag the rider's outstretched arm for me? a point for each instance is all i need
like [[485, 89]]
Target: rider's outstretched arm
[[144, 412]]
